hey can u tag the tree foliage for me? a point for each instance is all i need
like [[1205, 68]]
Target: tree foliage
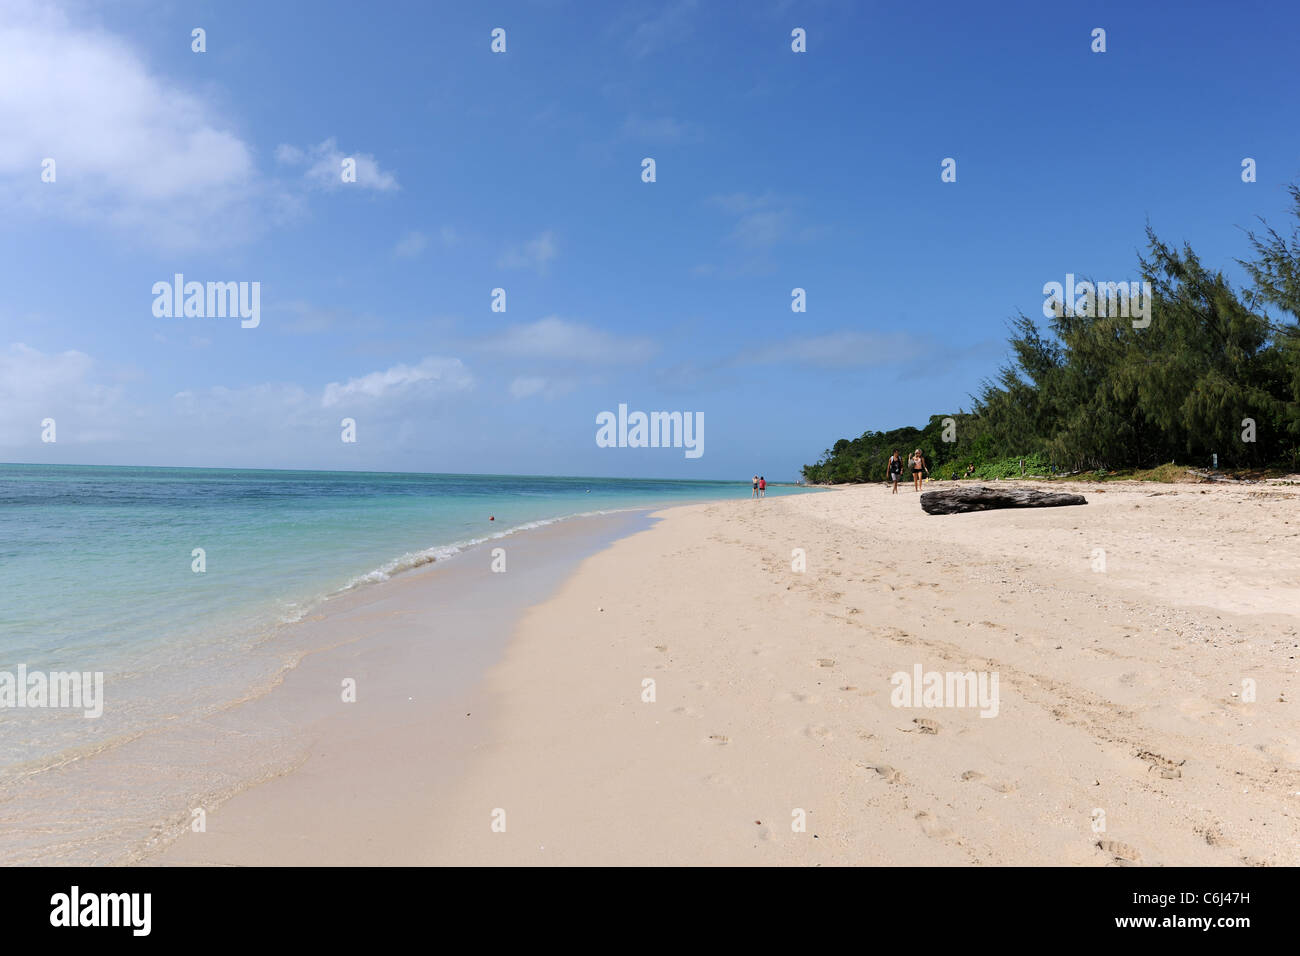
[[1213, 373]]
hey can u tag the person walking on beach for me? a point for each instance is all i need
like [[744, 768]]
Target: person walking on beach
[[895, 470], [755, 494], [918, 470], [762, 487]]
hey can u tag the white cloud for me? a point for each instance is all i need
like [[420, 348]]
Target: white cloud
[[289, 155], [433, 376], [411, 245], [324, 163], [763, 228], [558, 339], [275, 422], [131, 148], [762, 221], [527, 386], [533, 254], [35, 385], [415, 242], [288, 423]]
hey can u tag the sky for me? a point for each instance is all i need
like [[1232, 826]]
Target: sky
[[522, 170]]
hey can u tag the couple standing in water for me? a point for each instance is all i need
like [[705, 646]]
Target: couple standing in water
[[916, 463], [760, 486]]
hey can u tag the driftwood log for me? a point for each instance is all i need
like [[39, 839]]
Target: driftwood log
[[952, 501]]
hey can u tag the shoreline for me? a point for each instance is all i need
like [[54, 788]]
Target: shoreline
[[1121, 700], [424, 642], [203, 760], [110, 575]]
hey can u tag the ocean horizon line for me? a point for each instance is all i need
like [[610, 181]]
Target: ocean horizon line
[[352, 471]]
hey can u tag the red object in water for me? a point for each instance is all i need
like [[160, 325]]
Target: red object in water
[[493, 518]]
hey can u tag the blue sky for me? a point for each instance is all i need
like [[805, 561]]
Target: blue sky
[[522, 171]]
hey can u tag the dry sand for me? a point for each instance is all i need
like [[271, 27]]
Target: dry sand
[[1120, 690], [1121, 696]]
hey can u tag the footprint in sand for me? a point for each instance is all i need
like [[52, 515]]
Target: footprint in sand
[[1122, 853], [802, 698], [1168, 769], [1283, 751], [818, 733], [825, 662], [931, 826], [719, 739], [686, 711], [1000, 786], [925, 725], [885, 771]]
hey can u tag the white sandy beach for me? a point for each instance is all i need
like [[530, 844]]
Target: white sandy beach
[[1120, 699]]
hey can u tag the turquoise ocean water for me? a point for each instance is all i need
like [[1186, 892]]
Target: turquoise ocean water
[[97, 572]]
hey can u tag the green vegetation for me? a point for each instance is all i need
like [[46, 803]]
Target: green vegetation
[[1168, 473], [1094, 395], [1033, 466]]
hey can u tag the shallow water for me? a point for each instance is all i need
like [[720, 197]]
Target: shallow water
[[97, 574]]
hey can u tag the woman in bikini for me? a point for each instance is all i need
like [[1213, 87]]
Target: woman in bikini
[[918, 470], [895, 470]]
